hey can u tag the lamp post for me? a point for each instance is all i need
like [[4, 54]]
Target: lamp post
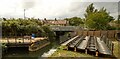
[[24, 14]]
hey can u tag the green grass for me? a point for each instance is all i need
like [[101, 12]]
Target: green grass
[[115, 50], [65, 53]]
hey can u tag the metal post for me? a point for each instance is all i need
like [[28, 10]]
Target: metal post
[[24, 14]]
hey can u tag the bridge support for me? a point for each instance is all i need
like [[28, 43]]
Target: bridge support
[[61, 36]]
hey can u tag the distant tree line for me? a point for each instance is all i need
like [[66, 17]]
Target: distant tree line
[[22, 27]]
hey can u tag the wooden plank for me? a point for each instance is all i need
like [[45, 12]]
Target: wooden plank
[[85, 33], [91, 33], [110, 34], [103, 33], [97, 33]]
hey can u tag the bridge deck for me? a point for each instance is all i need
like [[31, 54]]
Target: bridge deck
[[64, 28]]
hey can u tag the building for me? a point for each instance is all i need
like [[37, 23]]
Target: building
[[56, 22]]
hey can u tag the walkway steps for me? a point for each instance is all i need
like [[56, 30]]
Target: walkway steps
[[78, 40], [83, 44], [65, 43], [102, 47], [92, 44]]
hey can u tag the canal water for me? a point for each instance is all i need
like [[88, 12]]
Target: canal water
[[23, 53]]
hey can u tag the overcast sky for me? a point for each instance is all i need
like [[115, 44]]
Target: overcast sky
[[53, 8]]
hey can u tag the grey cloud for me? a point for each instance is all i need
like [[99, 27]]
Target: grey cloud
[[28, 4], [111, 7], [74, 9], [100, 0], [78, 8]]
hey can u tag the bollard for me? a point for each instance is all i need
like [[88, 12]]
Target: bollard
[[23, 40], [15, 41], [75, 49], [96, 53], [67, 48], [85, 51], [7, 40]]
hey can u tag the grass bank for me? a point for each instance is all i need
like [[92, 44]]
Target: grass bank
[[65, 53], [115, 49]]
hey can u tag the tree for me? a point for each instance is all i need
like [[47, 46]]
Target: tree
[[97, 20], [17, 27], [115, 24], [49, 33], [74, 21], [90, 9]]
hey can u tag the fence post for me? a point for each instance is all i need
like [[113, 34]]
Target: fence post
[[114, 33], [107, 34], [87, 33], [100, 33], [82, 32]]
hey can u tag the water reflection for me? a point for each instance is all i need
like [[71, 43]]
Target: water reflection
[[23, 53]]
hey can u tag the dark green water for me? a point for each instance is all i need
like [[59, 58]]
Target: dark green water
[[23, 53]]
